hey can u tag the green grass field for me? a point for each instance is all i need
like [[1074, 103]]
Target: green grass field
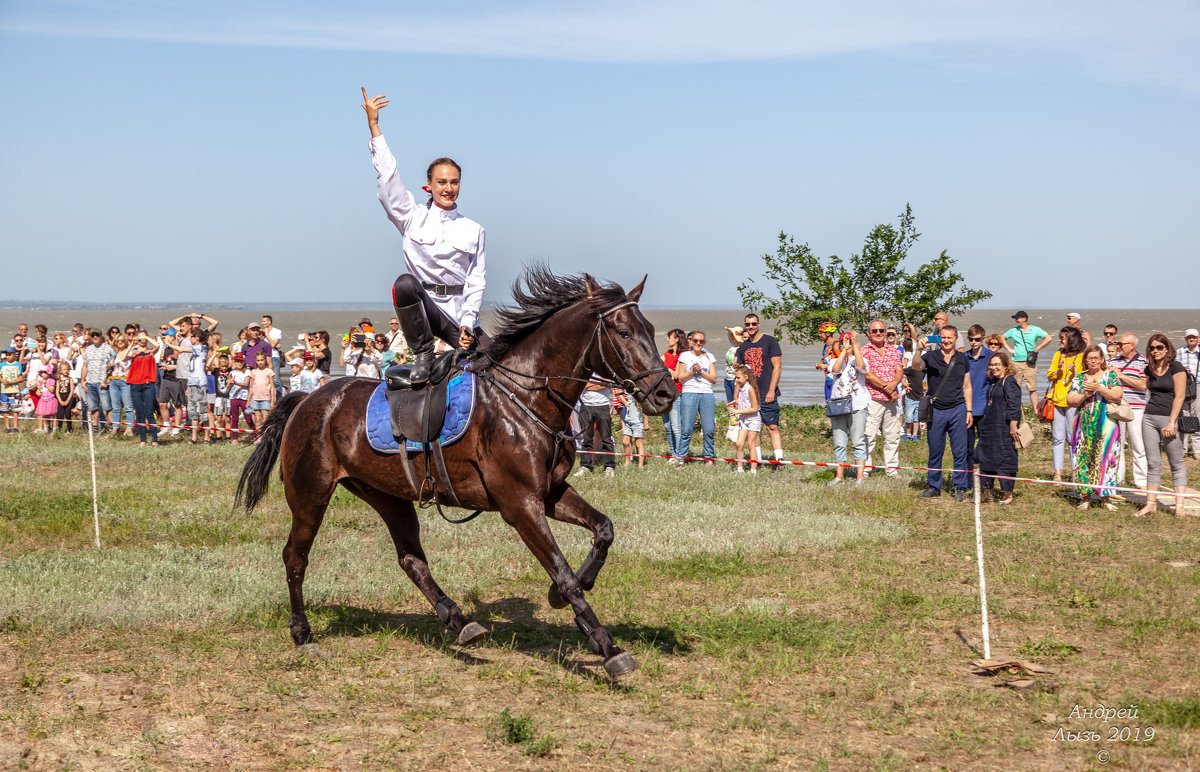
[[780, 624]]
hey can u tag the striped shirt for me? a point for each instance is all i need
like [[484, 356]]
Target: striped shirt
[[1189, 359], [1132, 368]]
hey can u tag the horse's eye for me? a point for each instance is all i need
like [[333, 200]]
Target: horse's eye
[[624, 333]]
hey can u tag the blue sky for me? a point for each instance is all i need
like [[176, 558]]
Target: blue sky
[[217, 152]]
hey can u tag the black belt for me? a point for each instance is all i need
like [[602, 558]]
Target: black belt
[[442, 290]]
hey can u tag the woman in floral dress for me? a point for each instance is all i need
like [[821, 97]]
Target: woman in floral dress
[[1095, 438]]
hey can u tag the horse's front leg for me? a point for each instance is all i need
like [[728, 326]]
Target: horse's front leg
[[529, 519], [568, 506]]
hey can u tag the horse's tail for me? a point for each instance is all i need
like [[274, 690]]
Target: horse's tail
[[257, 472]]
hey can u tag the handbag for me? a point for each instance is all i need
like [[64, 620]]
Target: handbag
[[731, 433], [1024, 435], [1045, 408], [1187, 424], [839, 406], [1120, 411], [1031, 360]]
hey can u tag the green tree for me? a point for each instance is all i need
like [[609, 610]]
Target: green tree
[[874, 284]]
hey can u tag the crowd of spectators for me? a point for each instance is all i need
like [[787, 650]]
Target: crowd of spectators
[[1109, 406], [183, 378]]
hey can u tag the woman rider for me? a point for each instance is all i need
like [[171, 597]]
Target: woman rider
[[443, 251]]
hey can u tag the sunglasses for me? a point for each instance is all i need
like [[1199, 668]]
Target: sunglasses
[[698, 341], [974, 339], [750, 324], [1157, 347], [875, 331]]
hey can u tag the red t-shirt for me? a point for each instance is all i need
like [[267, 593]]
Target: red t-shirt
[[142, 370], [671, 360]]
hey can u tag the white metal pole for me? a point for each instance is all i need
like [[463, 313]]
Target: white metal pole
[[987, 646]]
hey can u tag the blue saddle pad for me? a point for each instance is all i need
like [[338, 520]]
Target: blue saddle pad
[[460, 406]]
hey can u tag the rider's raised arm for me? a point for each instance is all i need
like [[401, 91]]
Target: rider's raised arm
[[395, 197]]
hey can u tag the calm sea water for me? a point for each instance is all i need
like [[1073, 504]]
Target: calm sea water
[[800, 382]]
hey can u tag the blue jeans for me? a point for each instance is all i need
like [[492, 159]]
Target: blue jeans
[[95, 399], [671, 427], [121, 398], [706, 405], [142, 395], [729, 389], [852, 426], [952, 421]]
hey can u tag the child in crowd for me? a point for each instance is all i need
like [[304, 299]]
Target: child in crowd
[[222, 380], [632, 428], [311, 378], [297, 367], [239, 392], [745, 407], [10, 390], [197, 383], [47, 406], [64, 397], [262, 388]]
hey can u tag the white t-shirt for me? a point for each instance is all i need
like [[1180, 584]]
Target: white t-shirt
[[697, 383], [596, 397], [274, 335], [852, 382], [370, 363]]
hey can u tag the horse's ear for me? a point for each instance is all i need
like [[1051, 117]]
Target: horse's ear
[[635, 294], [592, 286]]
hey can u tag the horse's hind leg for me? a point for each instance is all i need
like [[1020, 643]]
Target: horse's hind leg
[[570, 507], [530, 523], [308, 502], [401, 519]]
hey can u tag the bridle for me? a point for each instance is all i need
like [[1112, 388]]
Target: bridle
[[628, 381]]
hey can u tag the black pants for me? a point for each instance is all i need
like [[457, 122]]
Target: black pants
[[407, 291], [593, 418]]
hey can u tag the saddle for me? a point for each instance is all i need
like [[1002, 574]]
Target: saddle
[[417, 414]]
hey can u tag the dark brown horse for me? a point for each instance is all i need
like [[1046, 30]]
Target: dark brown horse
[[514, 458]]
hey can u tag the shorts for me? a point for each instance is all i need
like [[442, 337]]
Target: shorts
[[210, 398], [196, 407], [221, 405], [912, 406], [1025, 375], [260, 404], [633, 429], [95, 398], [769, 413], [751, 423], [171, 391], [10, 403]]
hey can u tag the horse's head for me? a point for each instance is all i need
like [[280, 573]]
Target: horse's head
[[624, 350]]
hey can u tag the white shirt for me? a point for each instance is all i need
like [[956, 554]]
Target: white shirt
[[369, 367], [274, 335], [440, 247], [696, 383]]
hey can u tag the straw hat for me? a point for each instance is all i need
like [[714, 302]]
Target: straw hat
[[737, 333]]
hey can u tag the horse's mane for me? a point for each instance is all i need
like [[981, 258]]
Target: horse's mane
[[544, 294]]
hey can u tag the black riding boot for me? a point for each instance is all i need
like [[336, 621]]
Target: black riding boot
[[415, 326]]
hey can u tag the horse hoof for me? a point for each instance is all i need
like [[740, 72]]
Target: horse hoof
[[555, 598], [620, 664], [473, 631]]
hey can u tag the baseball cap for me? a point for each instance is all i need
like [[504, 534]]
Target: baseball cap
[[1191, 332], [1020, 315], [8, 350], [1073, 315], [297, 362], [169, 334], [308, 355], [239, 357]]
